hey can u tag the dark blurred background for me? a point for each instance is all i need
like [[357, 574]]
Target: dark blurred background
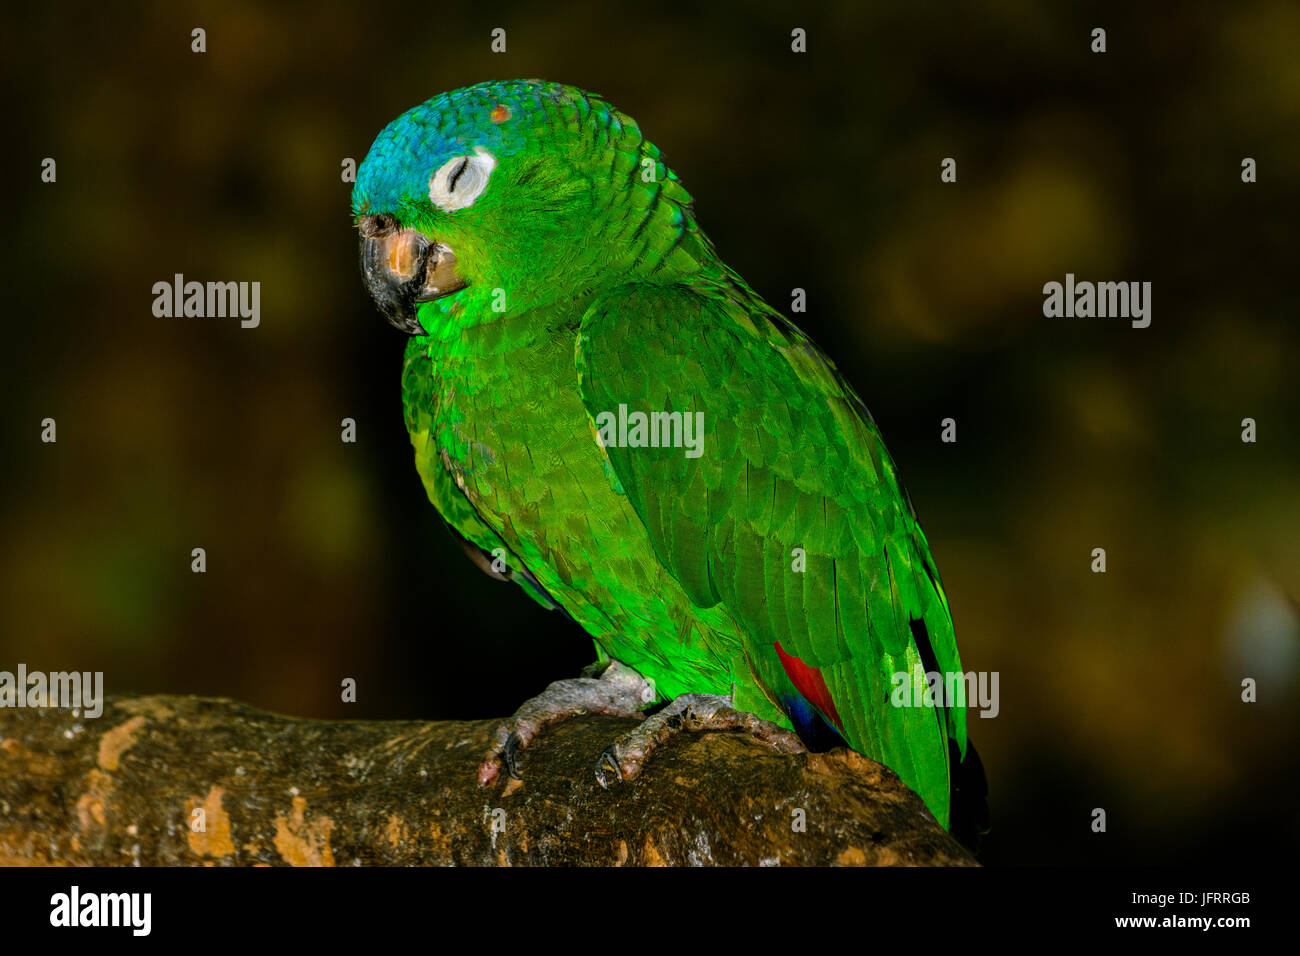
[[819, 171]]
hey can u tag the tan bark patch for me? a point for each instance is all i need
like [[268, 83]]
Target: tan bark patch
[[301, 843], [117, 741], [394, 832], [650, 855], [851, 856], [90, 805], [216, 841]]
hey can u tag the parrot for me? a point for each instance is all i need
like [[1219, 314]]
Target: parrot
[[605, 414]]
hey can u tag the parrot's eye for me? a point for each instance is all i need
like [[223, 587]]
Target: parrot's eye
[[460, 180], [454, 178], [376, 227]]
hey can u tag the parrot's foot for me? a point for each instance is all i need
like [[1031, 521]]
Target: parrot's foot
[[619, 692], [624, 758]]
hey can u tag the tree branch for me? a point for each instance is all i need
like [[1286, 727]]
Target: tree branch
[[123, 788]]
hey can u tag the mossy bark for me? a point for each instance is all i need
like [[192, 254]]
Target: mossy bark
[[124, 788]]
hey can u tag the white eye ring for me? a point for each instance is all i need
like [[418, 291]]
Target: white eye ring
[[461, 180]]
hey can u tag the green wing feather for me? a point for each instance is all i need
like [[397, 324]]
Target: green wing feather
[[791, 459]]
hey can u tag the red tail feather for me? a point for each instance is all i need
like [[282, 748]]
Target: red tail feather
[[809, 682]]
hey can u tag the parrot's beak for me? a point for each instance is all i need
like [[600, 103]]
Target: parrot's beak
[[404, 267]]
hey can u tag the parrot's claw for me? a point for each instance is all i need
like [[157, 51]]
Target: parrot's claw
[[619, 691], [624, 759], [608, 771], [510, 755]]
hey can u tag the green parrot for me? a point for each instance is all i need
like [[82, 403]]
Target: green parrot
[[604, 413]]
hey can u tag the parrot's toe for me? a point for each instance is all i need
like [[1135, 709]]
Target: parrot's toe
[[488, 771], [619, 691], [624, 759]]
